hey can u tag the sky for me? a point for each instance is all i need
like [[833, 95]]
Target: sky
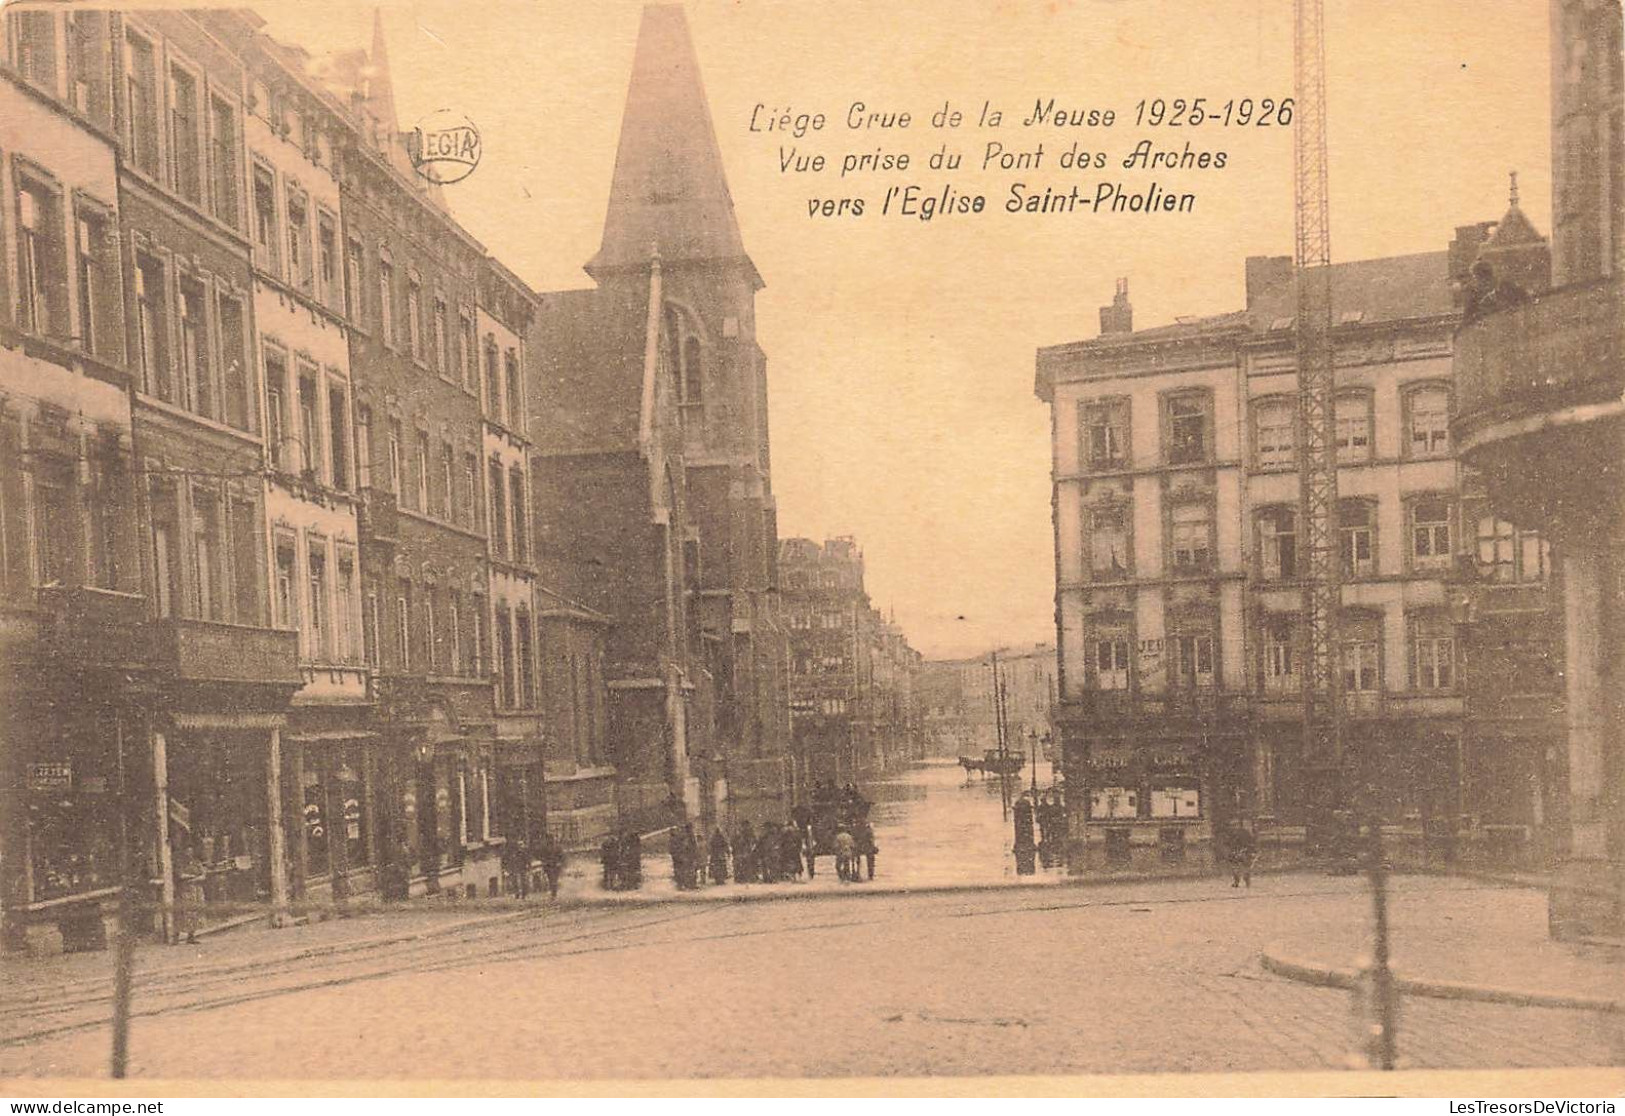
[[901, 352]]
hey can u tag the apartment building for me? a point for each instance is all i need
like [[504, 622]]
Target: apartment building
[[1179, 591]]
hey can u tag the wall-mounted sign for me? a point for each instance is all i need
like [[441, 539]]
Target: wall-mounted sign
[[48, 777]]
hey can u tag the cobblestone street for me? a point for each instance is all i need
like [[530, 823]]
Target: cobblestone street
[[1125, 978]]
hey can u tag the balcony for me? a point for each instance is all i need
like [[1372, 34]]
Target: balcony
[[1534, 385], [379, 519], [207, 651], [95, 627]]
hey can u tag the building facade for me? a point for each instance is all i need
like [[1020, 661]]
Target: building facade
[[1179, 595], [272, 605], [1541, 382], [957, 705], [853, 675]]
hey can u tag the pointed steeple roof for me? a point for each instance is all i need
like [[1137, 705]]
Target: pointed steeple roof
[[380, 90], [669, 190], [1514, 229]]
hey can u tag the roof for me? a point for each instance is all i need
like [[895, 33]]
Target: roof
[[1389, 289], [669, 191]]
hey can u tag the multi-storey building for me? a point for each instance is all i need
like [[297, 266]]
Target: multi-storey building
[[1179, 594], [852, 672], [652, 398], [957, 701], [270, 593], [1540, 386]]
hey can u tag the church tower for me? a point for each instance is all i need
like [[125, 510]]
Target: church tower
[[672, 257]]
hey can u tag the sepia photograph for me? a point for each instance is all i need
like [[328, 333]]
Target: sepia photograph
[[794, 548]]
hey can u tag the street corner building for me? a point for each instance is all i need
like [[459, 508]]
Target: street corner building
[[654, 487], [854, 708], [272, 614], [1181, 577]]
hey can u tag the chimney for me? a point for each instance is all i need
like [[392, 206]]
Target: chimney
[[1266, 273], [1119, 316]]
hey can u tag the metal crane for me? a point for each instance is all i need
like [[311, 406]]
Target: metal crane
[[1317, 422]]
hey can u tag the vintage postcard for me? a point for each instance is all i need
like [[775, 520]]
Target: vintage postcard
[[769, 546]]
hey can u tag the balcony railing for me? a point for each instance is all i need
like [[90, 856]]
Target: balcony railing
[[207, 651], [1560, 349]]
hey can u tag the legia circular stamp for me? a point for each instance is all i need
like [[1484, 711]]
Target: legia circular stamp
[[445, 147]]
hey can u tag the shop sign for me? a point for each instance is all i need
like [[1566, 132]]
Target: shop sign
[[48, 777]]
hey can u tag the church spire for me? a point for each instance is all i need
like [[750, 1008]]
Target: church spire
[[669, 186], [380, 91]]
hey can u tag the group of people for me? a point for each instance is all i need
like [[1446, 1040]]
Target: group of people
[[622, 858], [517, 855]]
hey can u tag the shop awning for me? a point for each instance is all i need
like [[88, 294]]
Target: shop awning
[[330, 736]]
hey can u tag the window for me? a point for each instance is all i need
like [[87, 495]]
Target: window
[[370, 627], [320, 645], [276, 411], [521, 542], [1359, 655], [466, 353], [344, 633], [240, 406], [510, 366], [248, 566], [1534, 557], [414, 318], [442, 359], [395, 462], [1176, 802], [505, 673], [1109, 557], [431, 637], [1430, 534], [1187, 429], [1278, 543], [693, 376], [420, 474], [524, 652], [34, 36], [338, 442], [54, 534], [300, 271], [265, 226], [1191, 662], [1433, 653], [224, 166], [454, 621], [284, 598], [141, 103], [1355, 522], [1105, 434], [184, 149], [352, 280], [196, 386], [310, 431], [41, 283], [1353, 414], [499, 511], [473, 509], [386, 301], [363, 446], [1111, 664], [96, 263], [88, 51], [152, 325], [327, 262], [448, 469], [1191, 530], [166, 544], [1280, 663], [1275, 433], [481, 648], [493, 385], [403, 626], [1430, 422]]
